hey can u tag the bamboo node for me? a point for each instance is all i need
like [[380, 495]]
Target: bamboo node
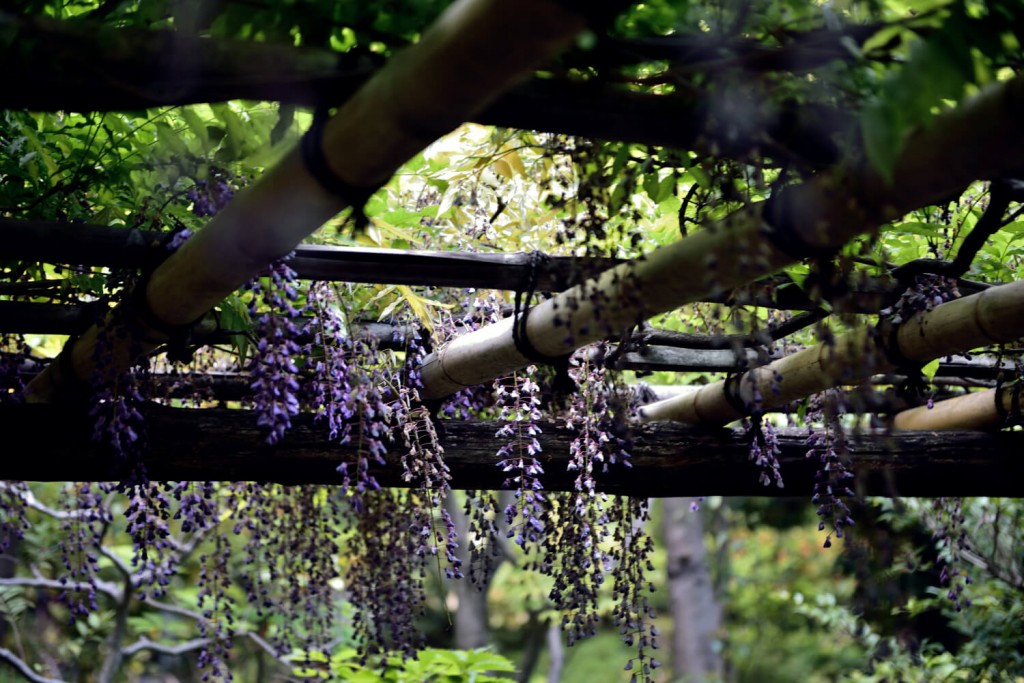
[[315, 162]]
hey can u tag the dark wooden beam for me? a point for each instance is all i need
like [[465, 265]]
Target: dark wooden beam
[[668, 460], [120, 247]]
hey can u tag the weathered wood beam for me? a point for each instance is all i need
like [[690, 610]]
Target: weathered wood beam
[[99, 245], [18, 317], [117, 247], [668, 460]]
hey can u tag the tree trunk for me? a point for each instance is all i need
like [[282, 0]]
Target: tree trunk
[[471, 627], [696, 615], [556, 652]]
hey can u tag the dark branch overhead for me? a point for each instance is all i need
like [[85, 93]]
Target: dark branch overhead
[[668, 460], [51, 65]]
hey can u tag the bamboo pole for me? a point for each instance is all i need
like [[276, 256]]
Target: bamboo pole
[[475, 50], [976, 410], [989, 317], [981, 138]]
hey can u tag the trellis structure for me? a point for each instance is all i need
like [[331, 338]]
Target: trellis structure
[[371, 135]]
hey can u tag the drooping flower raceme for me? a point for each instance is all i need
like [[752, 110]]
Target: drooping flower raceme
[[274, 371]]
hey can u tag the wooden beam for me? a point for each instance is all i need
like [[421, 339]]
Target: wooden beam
[[119, 247], [668, 460]]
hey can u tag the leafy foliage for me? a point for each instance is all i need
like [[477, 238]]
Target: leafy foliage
[[340, 581]]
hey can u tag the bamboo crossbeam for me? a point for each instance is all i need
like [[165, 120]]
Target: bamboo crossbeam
[[989, 317], [977, 410], [668, 459], [473, 52], [823, 213]]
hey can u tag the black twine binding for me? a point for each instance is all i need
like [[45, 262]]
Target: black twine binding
[[1012, 416], [915, 384], [522, 310], [893, 353], [311, 149], [72, 387], [731, 393], [180, 339], [783, 235]]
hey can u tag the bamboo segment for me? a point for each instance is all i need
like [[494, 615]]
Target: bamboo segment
[[473, 52], [822, 213], [976, 410], [989, 317]]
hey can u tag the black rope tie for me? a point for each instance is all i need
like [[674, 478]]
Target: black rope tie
[[311, 149], [180, 342], [521, 313], [731, 393], [1013, 416], [72, 387], [894, 354]]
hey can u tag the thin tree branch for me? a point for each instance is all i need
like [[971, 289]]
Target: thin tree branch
[[1001, 193], [105, 587], [24, 669], [112, 662], [145, 644]]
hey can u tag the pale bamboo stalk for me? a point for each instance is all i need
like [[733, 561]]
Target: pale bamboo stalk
[[473, 52], [976, 410], [992, 316], [981, 138]]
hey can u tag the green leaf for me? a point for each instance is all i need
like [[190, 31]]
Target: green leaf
[[882, 128], [930, 369], [699, 176]]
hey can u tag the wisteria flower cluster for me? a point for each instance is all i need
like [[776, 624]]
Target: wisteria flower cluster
[[519, 401], [632, 549], [147, 513], [764, 450], [385, 574], [951, 534], [833, 476], [209, 198], [574, 547], [483, 537], [13, 521], [217, 607], [274, 371], [84, 523]]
